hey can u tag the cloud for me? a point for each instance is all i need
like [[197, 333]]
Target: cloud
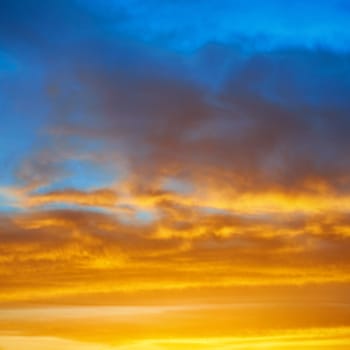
[[259, 118], [95, 198], [255, 135], [53, 254], [259, 128]]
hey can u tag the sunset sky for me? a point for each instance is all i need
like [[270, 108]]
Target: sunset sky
[[174, 174]]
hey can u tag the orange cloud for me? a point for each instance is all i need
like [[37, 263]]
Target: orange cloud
[[182, 248], [95, 198]]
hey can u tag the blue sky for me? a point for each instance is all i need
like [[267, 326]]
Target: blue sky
[[188, 25], [76, 74]]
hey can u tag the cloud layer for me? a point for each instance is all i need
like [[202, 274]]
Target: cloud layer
[[175, 152]]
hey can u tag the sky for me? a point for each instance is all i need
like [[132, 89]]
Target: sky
[[174, 174]]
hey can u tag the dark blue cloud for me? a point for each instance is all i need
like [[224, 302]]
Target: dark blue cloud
[[257, 90]]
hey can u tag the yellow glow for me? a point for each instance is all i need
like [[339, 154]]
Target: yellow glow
[[167, 327]]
